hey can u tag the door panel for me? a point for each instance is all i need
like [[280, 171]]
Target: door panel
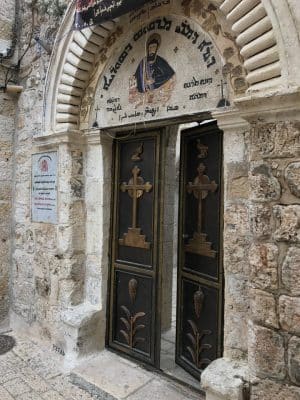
[[133, 328], [133, 312], [200, 278]]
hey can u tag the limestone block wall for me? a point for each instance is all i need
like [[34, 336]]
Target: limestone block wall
[[7, 125], [7, 20], [236, 232], [57, 288], [34, 246], [59, 272], [7, 122], [236, 241], [274, 327], [47, 265], [169, 232]]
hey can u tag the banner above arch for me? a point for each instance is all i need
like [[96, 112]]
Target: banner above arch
[[168, 68], [92, 12]]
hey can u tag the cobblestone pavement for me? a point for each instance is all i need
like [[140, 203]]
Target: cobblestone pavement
[[29, 372]]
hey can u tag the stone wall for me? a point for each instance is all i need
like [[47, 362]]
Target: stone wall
[[274, 326], [236, 240], [261, 253], [37, 264], [7, 122], [59, 272], [7, 125], [7, 20]]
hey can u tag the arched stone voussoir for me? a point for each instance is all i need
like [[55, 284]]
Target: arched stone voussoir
[[241, 30]]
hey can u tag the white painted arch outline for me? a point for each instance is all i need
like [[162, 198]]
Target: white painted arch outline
[[263, 49]]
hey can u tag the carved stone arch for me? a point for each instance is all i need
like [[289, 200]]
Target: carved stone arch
[[242, 30], [216, 29], [222, 41]]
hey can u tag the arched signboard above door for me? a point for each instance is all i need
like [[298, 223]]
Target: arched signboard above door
[[167, 68]]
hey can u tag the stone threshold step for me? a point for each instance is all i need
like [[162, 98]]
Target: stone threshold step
[[110, 377]]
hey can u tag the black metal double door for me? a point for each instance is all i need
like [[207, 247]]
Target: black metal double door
[[135, 284], [134, 321], [200, 273]]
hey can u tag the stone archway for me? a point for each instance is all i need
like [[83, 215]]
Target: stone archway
[[241, 30], [260, 61]]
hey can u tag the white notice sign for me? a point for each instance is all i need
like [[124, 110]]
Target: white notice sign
[[44, 187]]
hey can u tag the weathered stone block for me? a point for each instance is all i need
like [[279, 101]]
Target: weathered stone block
[[292, 176], [24, 265], [5, 29], [238, 182], [84, 331], [239, 188], [270, 390], [22, 300], [275, 140], [4, 247], [236, 219], [263, 308], [289, 314], [46, 264], [236, 254], [94, 290], [294, 359], [43, 287], [235, 334], [24, 238], [46, 237], [288, 223], [94, 195], [6, 151], [77, 162], [264, 266], [77, 187], [93, 265], [237, 292], [260, 220], [266, 353], [264, 186], [5, 210], [4, 294], [224, 379], [22, 192], [291, 271], [65, 241], [73, 268], [5, 191], [71, 293]]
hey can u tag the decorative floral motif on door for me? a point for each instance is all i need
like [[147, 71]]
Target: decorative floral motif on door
[[197, 336], [130, 319]]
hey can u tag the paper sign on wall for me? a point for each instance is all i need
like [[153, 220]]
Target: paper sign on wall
[[44, 187]]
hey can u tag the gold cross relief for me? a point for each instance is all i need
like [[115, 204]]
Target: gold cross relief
[[135, 188], [200, 188]]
